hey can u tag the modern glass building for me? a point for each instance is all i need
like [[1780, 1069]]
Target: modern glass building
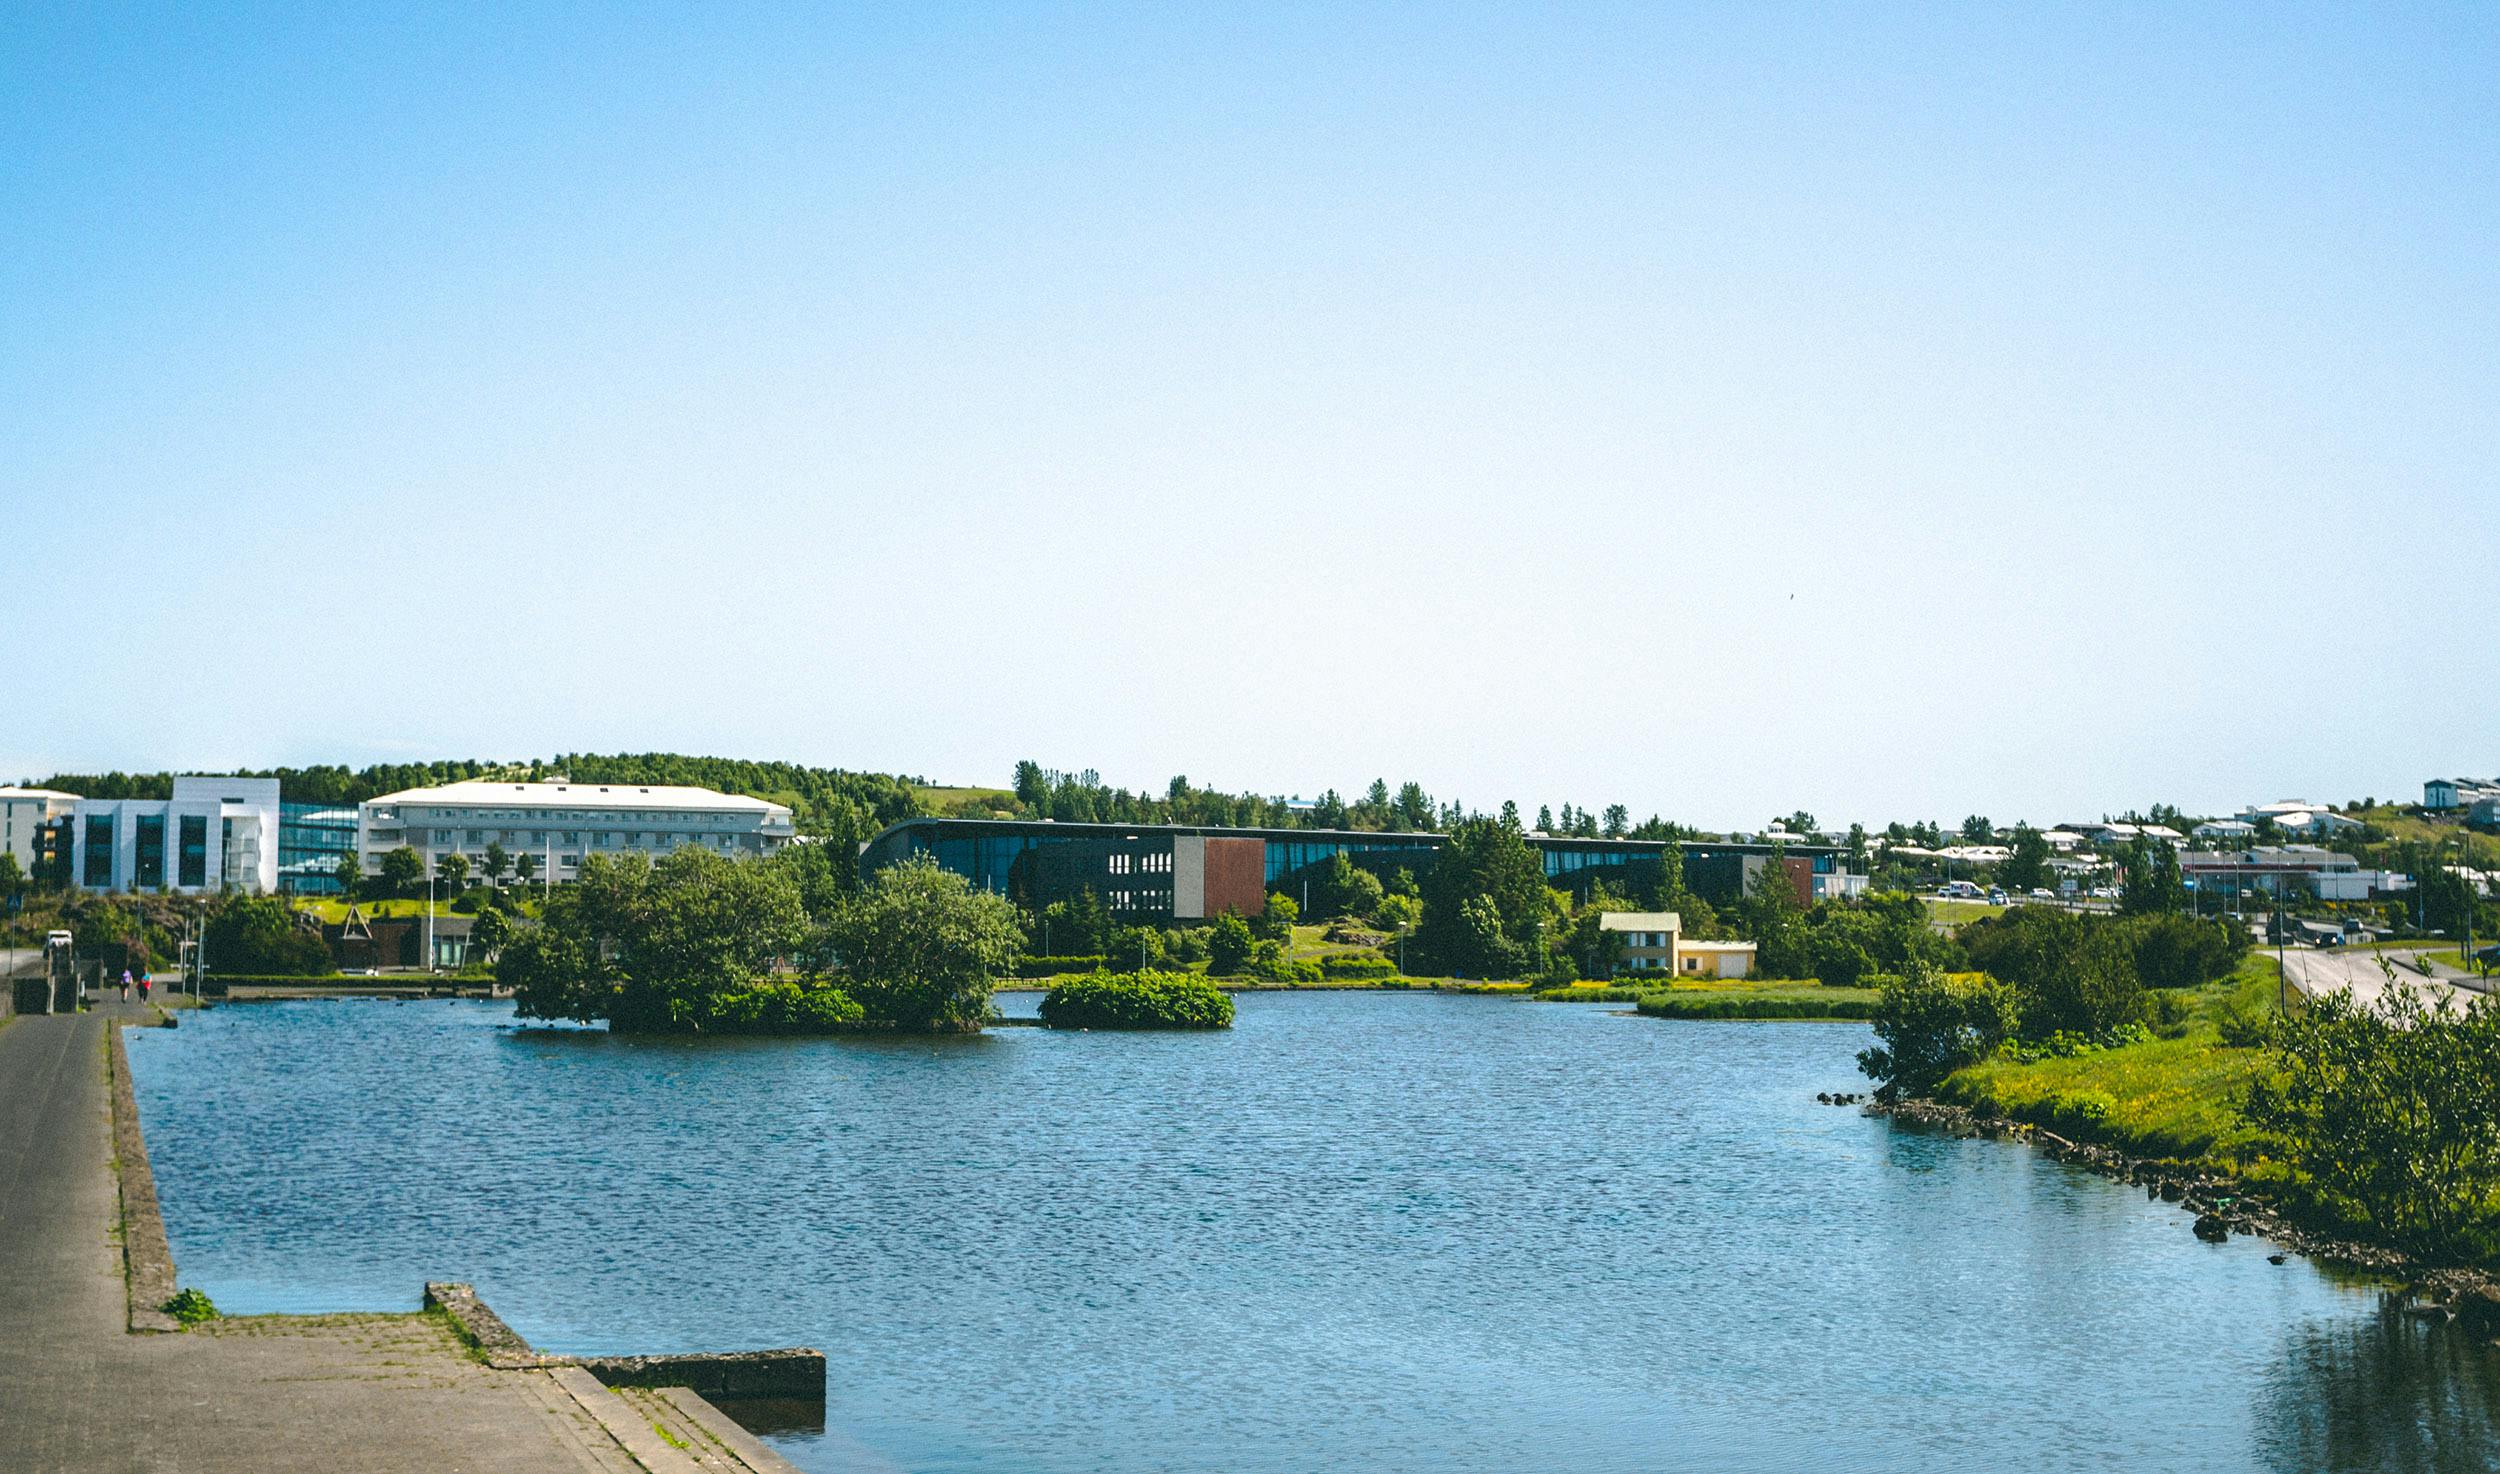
[[1004, 855], [311, 839]]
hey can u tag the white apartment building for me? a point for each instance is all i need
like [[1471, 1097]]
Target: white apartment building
[[22, 812], [559, 823], [213, 833]]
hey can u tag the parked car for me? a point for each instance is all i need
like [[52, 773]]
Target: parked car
[[2041, 893], [1996, 897]]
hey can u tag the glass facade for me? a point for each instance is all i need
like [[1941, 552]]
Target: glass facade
[[191, 859], [311, 838], [147, 853], [99, 872], [986, 853]]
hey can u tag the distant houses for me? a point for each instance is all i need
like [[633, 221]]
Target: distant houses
[[2444, 794]]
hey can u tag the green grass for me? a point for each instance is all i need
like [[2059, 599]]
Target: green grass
[[332, 911], [1955, 913], [949, 802], [2168, 1098], [1309, 942]]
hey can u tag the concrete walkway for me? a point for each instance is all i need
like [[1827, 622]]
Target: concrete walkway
[[346, 1394]]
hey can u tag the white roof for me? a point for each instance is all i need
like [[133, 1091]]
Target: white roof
[[1689, 946], [1640, 921], [582, 796], [34, 793]]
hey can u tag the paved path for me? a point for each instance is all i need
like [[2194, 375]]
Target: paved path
[[2359, 973], [350, 1394]]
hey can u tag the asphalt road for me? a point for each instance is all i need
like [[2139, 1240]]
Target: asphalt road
[[2359, 973]]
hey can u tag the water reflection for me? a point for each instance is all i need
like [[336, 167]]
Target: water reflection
[[2390, 1392]]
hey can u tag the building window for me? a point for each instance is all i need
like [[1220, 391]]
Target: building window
[[99, 852], [147, 868], [191, 866]]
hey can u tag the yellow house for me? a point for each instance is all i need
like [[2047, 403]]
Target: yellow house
[[1654, 945], [1648, 939]]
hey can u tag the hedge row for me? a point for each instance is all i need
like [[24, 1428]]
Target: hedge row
[[1356, 965]]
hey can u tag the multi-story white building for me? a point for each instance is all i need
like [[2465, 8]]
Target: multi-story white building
[[24, 811], [559, 823], [212, 834]]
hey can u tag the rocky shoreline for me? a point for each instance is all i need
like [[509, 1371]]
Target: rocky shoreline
[[2223, 1206]]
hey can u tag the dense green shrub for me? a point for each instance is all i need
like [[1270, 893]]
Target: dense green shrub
[[2069, 973], [1339, 966], [1269, 962], [2183, 951], [259, 934], [1137, 1000], [2392, 1113], [785, 1006], [1930, 1025], [1228, 945]]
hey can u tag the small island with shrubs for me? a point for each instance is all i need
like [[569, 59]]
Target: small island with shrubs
[[1136, 1000]]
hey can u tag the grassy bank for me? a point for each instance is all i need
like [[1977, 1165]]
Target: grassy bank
[[2169, 1098], [1769, 1000]]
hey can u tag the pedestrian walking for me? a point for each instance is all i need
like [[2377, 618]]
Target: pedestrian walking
[[143, 985], [125, 985]]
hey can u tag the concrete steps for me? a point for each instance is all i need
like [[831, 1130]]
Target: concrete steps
[[668, 1430]]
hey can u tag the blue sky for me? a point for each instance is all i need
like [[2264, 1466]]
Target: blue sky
[[1890, 411]]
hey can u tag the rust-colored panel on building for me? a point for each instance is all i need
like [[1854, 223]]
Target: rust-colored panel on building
[[1801, 875], [1236, 876]]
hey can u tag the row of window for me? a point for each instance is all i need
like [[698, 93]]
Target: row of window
[[1149, 864], [558, 816]]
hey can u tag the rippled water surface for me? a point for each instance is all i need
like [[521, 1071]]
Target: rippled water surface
[[1360, 1231]]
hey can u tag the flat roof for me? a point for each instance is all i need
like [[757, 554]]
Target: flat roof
[[580, 795], [36, 793], [1640, 921], [1387, 838]]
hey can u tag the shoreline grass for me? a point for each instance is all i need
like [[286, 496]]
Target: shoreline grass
[[2176, 1099]]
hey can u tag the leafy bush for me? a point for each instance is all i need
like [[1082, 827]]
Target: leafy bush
[[785, 1006], [1137, 1000], [2067, 972], [1339, 966], [190, 1307], [2183, 951], [2393, 1113], [1228, 945], [1269, 962], [259, 934], [1931, 1025]]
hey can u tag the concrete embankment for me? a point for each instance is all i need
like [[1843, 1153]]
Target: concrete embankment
[[340, 1394]]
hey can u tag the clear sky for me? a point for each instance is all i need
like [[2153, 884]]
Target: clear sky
[[1893, 411]]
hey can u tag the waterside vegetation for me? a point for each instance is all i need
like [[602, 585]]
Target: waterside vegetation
[[1137, 1000]]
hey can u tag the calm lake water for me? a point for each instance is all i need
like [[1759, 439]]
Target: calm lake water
[[1374, 1231]]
